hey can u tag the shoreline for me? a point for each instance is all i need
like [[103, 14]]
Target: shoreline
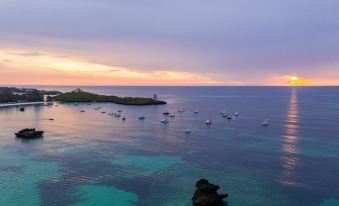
[[21, 104]]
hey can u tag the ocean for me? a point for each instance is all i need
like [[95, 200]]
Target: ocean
[[91, 158]]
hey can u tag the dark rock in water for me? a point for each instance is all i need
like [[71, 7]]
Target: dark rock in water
[[206, 194], [29, 133]]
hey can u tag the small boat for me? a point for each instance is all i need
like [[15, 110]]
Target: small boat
[[181, 110], [22, 109], [123, 118], [142, 117], [196, 112], [223, 112], [117, 115], [103, 112], [82, 111], [164, 121], [229, 117], [172, 115], [112, 114], [208, 122], [97, 108], [236, 114], [224, 115], [188, 131], [51, 119], [119, 111], [166, 113], [265, 123]]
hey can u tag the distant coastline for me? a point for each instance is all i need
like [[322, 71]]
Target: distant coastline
[[12, 96], [79, 96]]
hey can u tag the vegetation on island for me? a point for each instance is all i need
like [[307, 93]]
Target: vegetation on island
[[15, 98], [82, 96], [17, 95]]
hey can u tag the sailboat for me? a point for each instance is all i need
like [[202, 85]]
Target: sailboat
[[265, 123]]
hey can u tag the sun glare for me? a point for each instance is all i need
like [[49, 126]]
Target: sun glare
[[295, 80]]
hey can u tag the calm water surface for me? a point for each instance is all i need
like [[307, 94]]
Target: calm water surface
[[95, 159]]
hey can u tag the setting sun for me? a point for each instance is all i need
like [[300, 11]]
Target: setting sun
[[295, 80]]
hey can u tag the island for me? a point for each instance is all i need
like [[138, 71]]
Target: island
[[24, 95], [79, 96], [29, 133]]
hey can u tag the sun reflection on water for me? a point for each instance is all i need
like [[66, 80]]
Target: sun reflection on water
[[290, 151]]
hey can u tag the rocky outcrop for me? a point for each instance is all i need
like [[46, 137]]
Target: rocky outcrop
[[206, 194], [29, 133]]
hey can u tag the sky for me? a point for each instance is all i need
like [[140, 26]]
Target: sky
[[169, 42]]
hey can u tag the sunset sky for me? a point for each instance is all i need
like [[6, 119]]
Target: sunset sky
[[169, 42]]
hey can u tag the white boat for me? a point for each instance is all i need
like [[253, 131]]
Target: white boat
[[223, 112], [224, 115], [208, 122], [164, 121], [265, 123], [236, 114], [188, 131]]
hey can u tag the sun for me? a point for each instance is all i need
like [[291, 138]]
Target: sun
[[294, 78]]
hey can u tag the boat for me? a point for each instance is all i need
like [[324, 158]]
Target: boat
[[188, 131], [181, 110], [208, 122], [119, 111], [97, 108], [164, 121], [224, 115], [166, 113], [223, 112], [236, 114], [123, 118], [103, 112], [22, 109], [142, 117], [82, 111], [51, 119], [196, 112], [265, 123], [172, 115], [117, 115], [229, 117]]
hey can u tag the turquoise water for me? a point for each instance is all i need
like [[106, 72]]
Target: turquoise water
[[95, 159]]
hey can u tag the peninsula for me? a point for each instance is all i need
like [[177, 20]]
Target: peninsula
[[82, 96]]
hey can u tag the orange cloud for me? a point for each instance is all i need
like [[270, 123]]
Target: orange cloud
[[41, 68]]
